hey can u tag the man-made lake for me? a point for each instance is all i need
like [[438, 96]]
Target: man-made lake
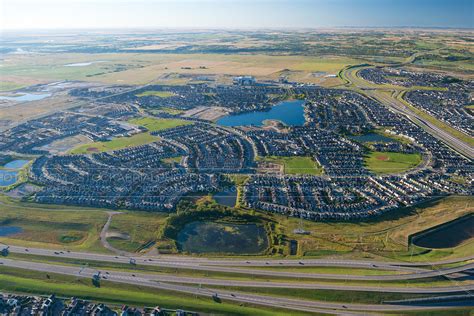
[[9, 230], [16, 164], [24, 97], [8, 177], [227, 197], [448, 235], [289, 112], [373, 137], [212, 237], [9, 172]]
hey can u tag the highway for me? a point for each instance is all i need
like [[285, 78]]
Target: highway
[[398, 106], [156, 281], [244, 267]]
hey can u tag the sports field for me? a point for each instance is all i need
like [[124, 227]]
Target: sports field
[[391, 162]]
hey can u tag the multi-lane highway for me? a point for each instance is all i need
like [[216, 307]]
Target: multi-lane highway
[[245, 266], [161, 282], [398, 106]]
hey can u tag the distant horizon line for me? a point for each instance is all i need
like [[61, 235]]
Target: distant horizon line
[[157, 28]]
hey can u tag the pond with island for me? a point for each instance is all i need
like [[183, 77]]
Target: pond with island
[[290, 113], [9, 172], [217, 237]]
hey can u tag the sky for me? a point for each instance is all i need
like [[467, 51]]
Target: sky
[[99, 14]]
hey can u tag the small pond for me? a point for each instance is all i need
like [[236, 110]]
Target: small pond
[[212, 237], [9, 172], [84, 64], [8, 177], [373, 137], [9, 230], [24, 97], [448, 235], [227, 197], [16, 164], [289, 112]]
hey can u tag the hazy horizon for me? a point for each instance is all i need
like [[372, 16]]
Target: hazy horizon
[[233, 14]]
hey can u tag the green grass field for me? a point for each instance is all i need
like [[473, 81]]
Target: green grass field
[[115, 144], [52, 226], [141, 227], [391, 162], [150, 123], [155, 124], [325, 295], [161, 94], [384, 237], [9, 86], [295, 165]]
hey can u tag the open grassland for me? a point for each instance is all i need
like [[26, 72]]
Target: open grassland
[[155, 124], [150, 123], [23, 281], [9, 86], [52, 226], [141, 228], [115, 144], [295, 165], [161, 94], [145, 67], [383, 237], [391, 162], [326, 295]]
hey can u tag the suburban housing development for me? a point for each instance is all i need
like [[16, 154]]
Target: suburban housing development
[[236, 172]]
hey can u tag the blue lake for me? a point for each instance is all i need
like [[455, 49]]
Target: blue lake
[[289, 112], [24, 97], [16, 164], [8, 177], [9, 172], [9, 230]]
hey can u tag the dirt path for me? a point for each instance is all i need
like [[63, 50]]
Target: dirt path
[[103, 236]]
